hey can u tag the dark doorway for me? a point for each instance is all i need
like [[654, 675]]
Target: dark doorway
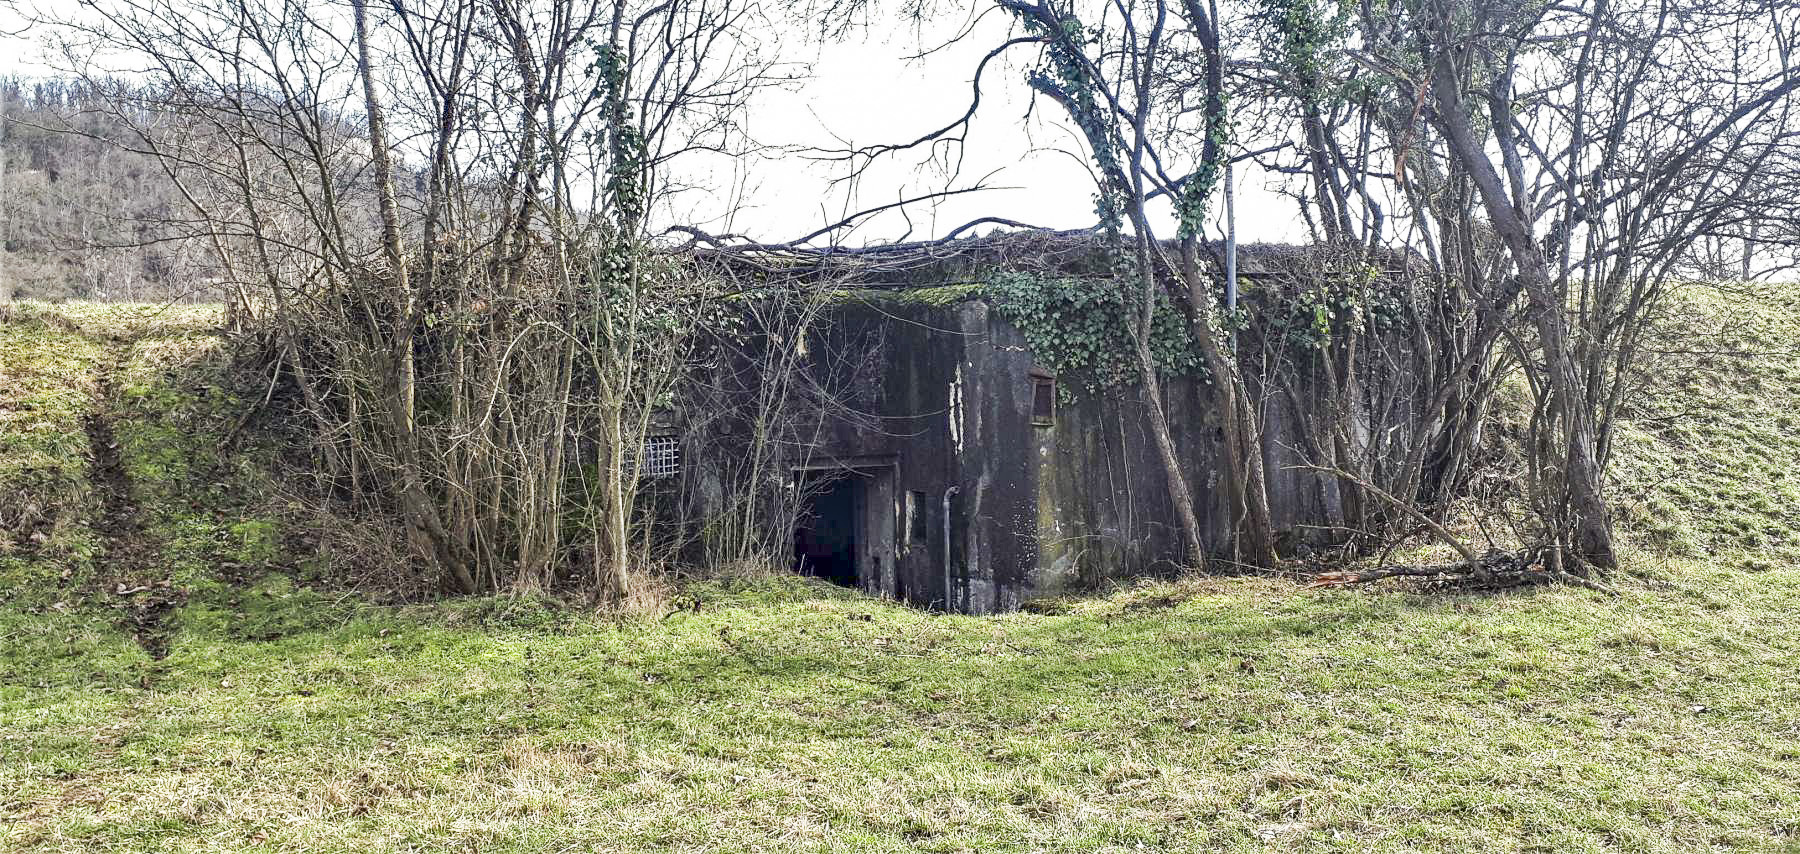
[[826, 536]]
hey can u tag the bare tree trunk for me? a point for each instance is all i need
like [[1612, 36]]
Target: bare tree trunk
[[1180, 494], [402, 412], [1253, 537], [1182, 497], [1245, 477], [1580, 463]]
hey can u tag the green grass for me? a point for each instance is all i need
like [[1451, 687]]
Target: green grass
[[1235, 715], [1709, 451], [46, 385]]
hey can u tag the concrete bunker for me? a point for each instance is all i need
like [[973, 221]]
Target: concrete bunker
[[938, 458]]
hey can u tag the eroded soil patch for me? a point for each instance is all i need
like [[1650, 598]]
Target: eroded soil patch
[[128, 570]]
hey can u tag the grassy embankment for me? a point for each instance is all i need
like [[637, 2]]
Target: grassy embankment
[[231, 706]]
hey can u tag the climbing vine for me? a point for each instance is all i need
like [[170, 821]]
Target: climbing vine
[[625, 143], [1065, 77], [1308, 319], [1079, 326], [1081, 329], [1087, 330], [1299, 35]]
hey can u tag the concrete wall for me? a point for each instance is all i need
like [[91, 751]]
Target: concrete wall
[[1037, 509], [1086, 499], [1104, 505], [954, 411]]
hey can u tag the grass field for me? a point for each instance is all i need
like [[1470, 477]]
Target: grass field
[[1238, 715]]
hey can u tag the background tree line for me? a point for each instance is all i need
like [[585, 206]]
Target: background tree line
[[84, 218], [428, 222]]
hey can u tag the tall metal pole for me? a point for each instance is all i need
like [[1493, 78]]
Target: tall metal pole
[[1230, 252]]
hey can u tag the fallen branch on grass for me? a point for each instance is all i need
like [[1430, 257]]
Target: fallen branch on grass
[[1494, 570], [1494, 566], [1438, 530]]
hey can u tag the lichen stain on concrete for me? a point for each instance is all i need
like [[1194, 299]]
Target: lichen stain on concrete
[[956, 409]]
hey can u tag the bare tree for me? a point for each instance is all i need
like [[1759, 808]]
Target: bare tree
[[1604, 141], [444, 235]]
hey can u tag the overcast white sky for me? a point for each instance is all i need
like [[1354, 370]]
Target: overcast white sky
[[862, 90]]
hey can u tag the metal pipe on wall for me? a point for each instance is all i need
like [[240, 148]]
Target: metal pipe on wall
[[949, 604]]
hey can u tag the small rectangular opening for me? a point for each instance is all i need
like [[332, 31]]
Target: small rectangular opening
[[1043, 400]]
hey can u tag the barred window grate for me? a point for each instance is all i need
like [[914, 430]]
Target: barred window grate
[[662, 457]]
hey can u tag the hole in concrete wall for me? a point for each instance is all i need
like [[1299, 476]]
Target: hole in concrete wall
[[828, 532]]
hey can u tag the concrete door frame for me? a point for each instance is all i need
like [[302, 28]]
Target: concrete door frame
[[877, 516]]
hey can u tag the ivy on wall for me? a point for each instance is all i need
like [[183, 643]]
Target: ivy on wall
[[1081, 329], [1336, 301]]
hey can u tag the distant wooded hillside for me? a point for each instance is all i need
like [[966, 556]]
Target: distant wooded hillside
[[84, 214]]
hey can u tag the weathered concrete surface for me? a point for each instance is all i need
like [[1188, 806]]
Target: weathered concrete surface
[[1036, 509]]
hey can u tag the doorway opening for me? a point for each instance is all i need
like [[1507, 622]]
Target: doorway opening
[[828, 533]]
